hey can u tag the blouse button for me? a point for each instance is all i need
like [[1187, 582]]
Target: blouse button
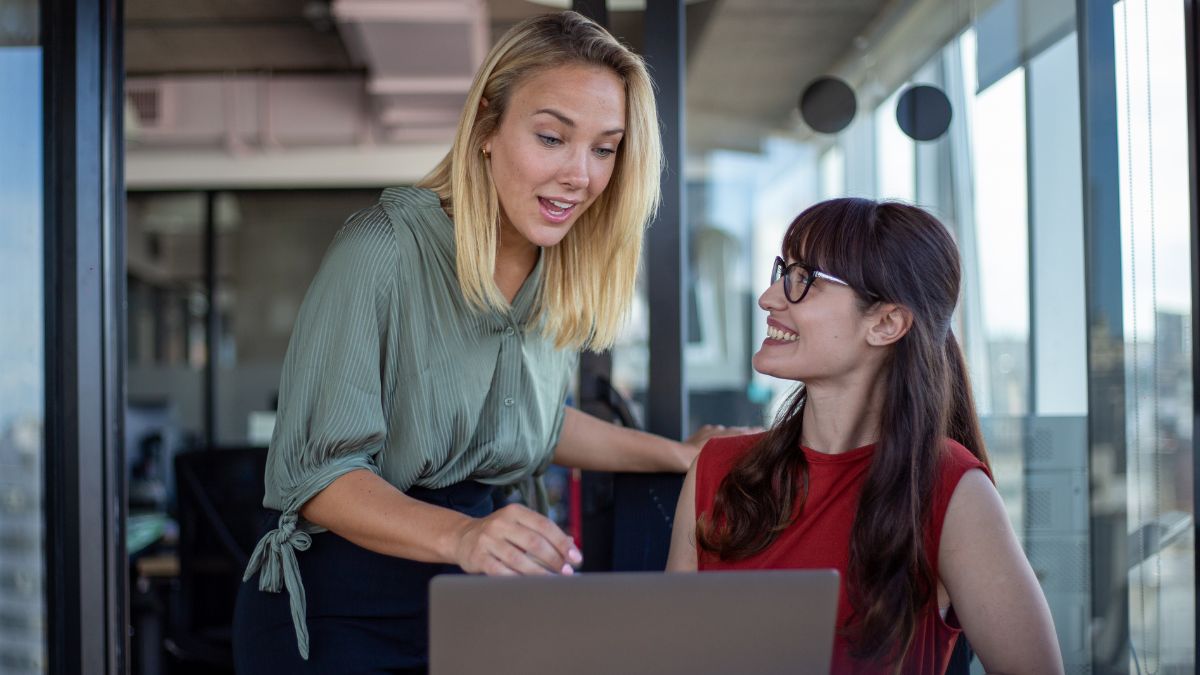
[[509, 401], [509, 331]]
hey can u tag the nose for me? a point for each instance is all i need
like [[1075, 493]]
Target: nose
[[773, 298], [573, 173]]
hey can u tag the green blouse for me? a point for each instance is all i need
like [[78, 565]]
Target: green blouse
[[389, 369]]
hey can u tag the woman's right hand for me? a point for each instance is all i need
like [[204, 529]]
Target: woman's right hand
[[515, 541]]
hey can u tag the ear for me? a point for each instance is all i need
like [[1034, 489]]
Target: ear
[[889, 323]]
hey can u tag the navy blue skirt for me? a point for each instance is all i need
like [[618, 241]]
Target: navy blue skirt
[[368, 613]]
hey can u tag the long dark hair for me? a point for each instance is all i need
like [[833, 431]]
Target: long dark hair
[[889, 252]]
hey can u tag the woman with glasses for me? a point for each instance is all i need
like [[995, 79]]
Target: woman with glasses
[[876, 467], [432, 356]]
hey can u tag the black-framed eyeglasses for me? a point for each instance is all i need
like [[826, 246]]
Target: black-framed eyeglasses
[[798, 277]]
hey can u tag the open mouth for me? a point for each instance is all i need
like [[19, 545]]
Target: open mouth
[[782, 335], [556, 211]]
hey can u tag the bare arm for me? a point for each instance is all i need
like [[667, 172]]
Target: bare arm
[[991, 586], [368, 511], [682, 557], [590, 443]]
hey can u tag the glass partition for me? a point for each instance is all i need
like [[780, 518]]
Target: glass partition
[[22, 359]]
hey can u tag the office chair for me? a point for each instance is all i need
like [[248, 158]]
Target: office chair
[[605, 402], [219, 502], [641, 507]]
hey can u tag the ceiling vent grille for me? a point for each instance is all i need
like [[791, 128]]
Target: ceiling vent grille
[[150, 102]]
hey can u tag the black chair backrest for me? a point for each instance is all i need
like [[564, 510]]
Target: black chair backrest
[[639, 508], [219, 503]]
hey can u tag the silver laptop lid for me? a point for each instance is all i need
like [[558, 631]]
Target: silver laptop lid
[[762, 622]]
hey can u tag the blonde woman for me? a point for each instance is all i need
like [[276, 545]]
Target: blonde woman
[[432, 356]]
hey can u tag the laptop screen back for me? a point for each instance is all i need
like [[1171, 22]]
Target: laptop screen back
[[763, 622]]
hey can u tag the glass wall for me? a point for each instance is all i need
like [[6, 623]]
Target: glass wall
[[270, 246], [167, 305], [22, 383], [266, 247], [1156, 266], [1055, 524]]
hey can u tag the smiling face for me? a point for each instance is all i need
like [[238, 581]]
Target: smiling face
[[555, 150], [825, 336]]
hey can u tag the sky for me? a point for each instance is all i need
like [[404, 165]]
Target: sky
[[21, 321]]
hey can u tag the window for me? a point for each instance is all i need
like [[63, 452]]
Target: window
[[1156, 267], [22, 384]]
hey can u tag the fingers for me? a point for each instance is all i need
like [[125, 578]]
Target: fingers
[[564, 550], [496, 568], [537, 547], [520, 562], [704, 433], [515, 540]]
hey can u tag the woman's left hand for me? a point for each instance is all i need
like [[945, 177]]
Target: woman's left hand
[[696, 441], [592, 444]]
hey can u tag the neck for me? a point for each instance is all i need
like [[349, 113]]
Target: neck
[[515, 259], [844, 415]]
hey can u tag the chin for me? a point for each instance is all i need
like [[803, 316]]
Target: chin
[[764, 366], [757, 362], [547, 242], [547, 236]]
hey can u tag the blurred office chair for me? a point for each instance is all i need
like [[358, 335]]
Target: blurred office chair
[[627, 518], [604, 401], [221, 516]]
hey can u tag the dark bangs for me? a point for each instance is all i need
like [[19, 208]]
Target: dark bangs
[[838, 237]]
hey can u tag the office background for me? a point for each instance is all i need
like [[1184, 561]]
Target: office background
[[172, 172]]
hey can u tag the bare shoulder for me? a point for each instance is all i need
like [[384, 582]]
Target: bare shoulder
[[975, 508], [994, 591]]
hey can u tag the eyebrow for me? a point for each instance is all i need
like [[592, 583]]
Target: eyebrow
[[571, 123]]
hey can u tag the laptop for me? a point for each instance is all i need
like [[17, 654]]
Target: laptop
[[761, 622]]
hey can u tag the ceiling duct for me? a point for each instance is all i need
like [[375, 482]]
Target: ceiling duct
[[420, 56]]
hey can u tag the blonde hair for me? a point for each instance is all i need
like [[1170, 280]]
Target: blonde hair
[[588, 278]]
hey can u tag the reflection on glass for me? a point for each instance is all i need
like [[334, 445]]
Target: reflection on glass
[[1152, 121], [270, 244], [167, 350], [22, 610]]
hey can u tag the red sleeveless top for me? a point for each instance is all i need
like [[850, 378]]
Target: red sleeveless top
[[820, 538]]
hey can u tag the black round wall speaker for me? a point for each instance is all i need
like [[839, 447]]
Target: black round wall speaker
[[923, 112], [828, 105]]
